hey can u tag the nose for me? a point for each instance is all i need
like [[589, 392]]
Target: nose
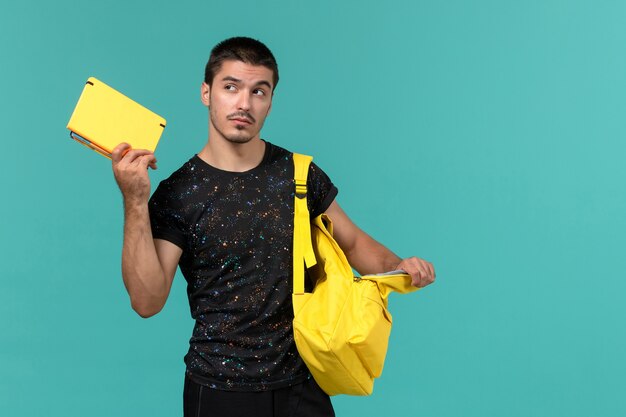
[[244, 101]]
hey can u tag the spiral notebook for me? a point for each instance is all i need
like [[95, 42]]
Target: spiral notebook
[[104, 118]]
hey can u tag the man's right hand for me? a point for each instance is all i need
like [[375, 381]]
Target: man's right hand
[[148, 265], [130, 168]]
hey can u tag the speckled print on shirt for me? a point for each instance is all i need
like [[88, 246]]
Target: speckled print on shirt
[[236, 232]]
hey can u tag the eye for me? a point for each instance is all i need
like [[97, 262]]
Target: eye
[[230, 87], [259, 92]]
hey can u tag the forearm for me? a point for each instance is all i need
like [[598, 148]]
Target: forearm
[[368, 256], [142, 272]]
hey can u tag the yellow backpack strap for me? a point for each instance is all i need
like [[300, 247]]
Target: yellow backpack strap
[[302, 245]]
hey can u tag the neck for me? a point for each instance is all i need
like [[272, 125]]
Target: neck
[[233, 157]]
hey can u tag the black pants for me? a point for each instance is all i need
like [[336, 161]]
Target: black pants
[[303, 400]]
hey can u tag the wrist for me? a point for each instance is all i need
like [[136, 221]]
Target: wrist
[[135, 205], [393, 263]]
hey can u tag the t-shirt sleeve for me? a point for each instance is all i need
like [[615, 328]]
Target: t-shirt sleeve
[[321, 190], [166, 216]]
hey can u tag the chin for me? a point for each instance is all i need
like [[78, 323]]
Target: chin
[[238, 138]]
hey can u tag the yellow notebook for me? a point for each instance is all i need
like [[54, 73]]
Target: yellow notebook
[[104, 118]]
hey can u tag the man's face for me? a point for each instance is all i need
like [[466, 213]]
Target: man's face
[[239, 101]]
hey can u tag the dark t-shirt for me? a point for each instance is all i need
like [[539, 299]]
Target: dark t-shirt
[[236, 232]]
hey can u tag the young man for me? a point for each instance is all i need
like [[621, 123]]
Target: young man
[[226, 217]]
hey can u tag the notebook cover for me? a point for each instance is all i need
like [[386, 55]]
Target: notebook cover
[[104, 118]]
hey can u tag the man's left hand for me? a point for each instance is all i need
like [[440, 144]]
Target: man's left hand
[[422, 272]]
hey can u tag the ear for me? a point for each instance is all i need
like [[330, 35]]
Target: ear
[[205, 94]]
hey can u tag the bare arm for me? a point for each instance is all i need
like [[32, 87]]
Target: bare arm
[[368, 256], [148, 265]]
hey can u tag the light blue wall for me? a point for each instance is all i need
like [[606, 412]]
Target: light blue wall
[[485, 136]]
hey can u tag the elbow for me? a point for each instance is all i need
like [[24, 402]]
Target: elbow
[[144, 314], [145, 310], [146, 301]]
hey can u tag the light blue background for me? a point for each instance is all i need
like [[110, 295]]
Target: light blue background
[[485, 136]]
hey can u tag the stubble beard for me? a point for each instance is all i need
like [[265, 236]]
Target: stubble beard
[[242, 137]]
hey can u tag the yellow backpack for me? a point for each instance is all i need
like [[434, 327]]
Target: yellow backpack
[[342, 328]]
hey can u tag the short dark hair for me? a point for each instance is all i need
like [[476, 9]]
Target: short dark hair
[[240, 48]]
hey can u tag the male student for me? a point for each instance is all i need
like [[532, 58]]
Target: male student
[[226, 218]]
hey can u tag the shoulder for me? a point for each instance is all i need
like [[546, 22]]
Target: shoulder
[[188, 173], [179, 181], [275, 153]]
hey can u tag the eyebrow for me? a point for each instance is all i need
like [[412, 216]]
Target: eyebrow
[[237, 80]]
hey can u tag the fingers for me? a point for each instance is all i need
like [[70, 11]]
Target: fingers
[[130, 171], [123, 154], [131, 175], [422, 272], [119, 151], [146, 161], [134, 156], [431, 269]]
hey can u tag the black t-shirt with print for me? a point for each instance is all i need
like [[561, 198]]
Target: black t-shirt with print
[[236, 232]]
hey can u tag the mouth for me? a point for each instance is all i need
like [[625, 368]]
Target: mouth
[[241, 120]]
